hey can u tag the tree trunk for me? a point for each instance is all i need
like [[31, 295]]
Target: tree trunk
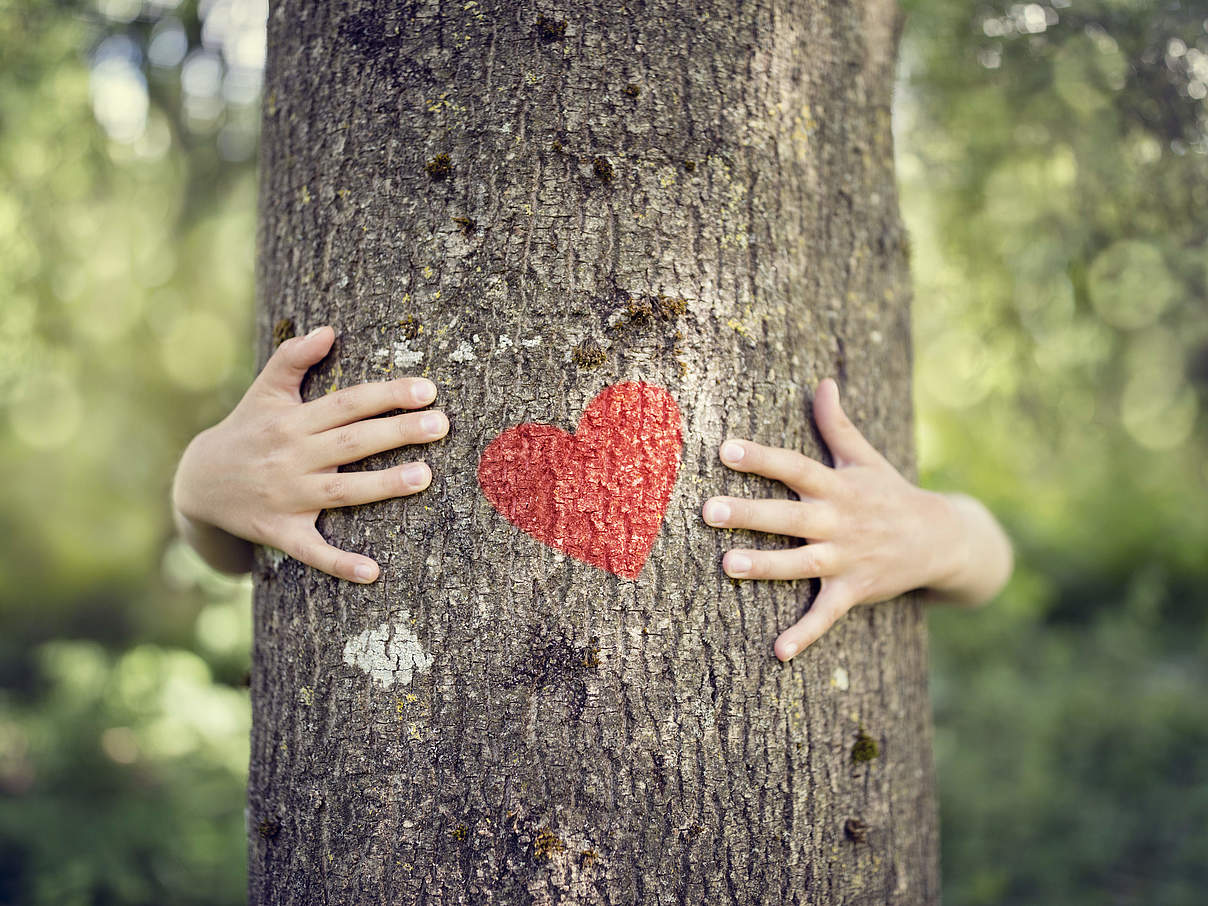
[[688, 215]]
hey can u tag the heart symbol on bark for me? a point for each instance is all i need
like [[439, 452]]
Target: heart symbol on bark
[[599, 494]]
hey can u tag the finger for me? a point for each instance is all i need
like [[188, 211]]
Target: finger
[[352, 404], [336, 489], [844, 440], [782, 517], [350, 443], [809, 561], [282, 374], [311, 549], [804, 475], [832, 602]]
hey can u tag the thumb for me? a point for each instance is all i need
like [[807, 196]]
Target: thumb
[[847, 445], [832, 602], [283, 372]]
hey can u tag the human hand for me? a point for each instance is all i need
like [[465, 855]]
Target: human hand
[[872, 535], [265, 472]]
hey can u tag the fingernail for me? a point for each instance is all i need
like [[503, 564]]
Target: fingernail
[[365, 573], [731, 452], [789, 650], [314, 333], [717, 512], [423, 391], [416, 475], [432, 423], [739, 564]]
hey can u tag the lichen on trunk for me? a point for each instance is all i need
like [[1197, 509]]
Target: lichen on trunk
[[529, 207]]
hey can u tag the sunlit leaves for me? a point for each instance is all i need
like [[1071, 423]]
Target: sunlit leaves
[[149, 753], [1068, 206]]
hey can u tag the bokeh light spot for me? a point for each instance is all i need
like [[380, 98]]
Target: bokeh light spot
[[225, 627], [120, 744], [169, 44], [1156, 416], [45, 410], [956, 369], [198, 351], [119, 10], [1130, 285], [119, 98], [1085, 72]]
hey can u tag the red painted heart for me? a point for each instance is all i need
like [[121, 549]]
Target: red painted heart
[[599, 494]]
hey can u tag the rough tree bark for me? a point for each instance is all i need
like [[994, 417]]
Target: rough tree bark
[[529, 205]]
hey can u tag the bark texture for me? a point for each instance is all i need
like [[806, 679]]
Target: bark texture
[[529, 204]]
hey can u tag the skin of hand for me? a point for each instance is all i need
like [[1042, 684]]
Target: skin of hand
[[264, 473], [872, 535]]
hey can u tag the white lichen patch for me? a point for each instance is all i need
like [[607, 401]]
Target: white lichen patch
[[839, 679], [273, 557], [404, 356], [463, 353], [391, 654], [531, 342]]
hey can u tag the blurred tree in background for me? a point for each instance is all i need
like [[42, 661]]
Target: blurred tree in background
[[1054, 170], [1055, 178], [127, 144]]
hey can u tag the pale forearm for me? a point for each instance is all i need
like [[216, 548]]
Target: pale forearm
[[981, 557]]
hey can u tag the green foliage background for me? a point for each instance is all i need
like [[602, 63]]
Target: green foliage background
[[1055, 180]]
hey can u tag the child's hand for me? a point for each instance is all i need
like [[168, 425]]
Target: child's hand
[[872, 534], [264, 473]]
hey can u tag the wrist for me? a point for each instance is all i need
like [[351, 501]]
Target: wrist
[[982, 559], [222, 550], [951, 553], [185, 503]]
